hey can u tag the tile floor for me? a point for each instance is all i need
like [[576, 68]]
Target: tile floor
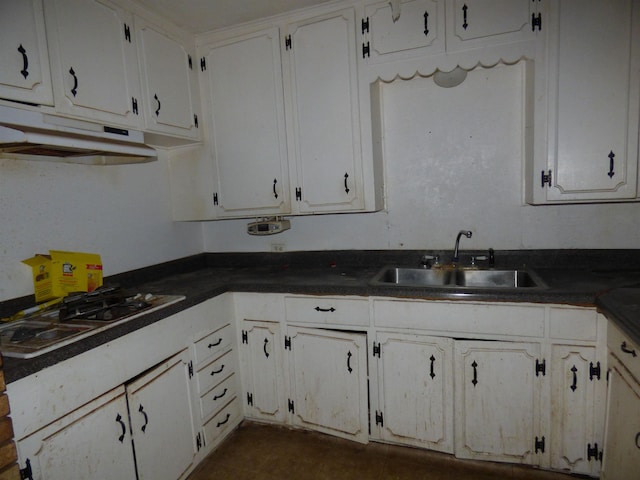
[[255, 451]]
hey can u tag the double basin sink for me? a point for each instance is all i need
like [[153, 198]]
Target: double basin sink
[[457, 278]]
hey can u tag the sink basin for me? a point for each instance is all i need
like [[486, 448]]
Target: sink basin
[[457, 278]]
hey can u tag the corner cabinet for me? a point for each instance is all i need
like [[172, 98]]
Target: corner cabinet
[[23, 53], [586, 144], [94, 65]]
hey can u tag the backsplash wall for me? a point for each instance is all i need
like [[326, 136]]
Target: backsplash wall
[[453, 160], [121, 212]]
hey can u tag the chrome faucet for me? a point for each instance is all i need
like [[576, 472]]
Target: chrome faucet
[[456, 256]]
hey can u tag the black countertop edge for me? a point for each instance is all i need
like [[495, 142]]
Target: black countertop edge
[[204, 276]]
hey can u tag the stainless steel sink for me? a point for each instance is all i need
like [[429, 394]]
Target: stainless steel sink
[[457, 278]]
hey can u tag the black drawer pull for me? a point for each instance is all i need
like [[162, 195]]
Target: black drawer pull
[[628, 350], [216, 397], [224, 421], [215, 372], [211, 345]]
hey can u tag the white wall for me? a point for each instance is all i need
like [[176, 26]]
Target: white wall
[[454, 160], [121, 212]]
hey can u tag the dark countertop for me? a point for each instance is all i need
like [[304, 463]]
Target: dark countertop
[[607, 279]]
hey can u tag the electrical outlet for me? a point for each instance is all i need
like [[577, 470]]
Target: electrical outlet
[[277, 247]]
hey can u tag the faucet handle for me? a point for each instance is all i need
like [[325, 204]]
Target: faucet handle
[[425, 260]]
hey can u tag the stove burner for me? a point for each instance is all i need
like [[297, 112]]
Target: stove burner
[[106, 304]]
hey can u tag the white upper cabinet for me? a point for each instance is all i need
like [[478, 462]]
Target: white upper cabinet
[[586, 127], [322, 80], [243, 95], [479, 23], [23, 53], [169, 81], [419, 30], [94, 66]]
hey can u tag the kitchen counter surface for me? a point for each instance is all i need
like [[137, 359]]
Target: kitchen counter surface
[[614, 288]]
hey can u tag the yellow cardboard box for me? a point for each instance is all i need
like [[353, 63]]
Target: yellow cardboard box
[[59, 273]]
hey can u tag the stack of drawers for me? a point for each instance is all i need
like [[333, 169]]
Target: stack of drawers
[[218, 403]]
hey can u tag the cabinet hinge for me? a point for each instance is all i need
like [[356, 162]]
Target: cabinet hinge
[[536, 21], [594, 371], [134, 105], [287, 43], [190, 62], [366, 50], [379, 419], [190, 368], [545, 178], [541, 368], [376, 349], [593, 452], [298, 194], [291, 406], [539, 445], [365, 25], [287, 343], [127, 33], [249, 399], [26, 472], [245, 337], [198, 441], [215, 198], [203, 64], [195, 120]]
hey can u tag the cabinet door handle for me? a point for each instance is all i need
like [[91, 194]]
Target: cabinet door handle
[[638, 440], [275, 192], [432, 374], [266, 342], [475, 373], [216, 397], [346, 184], [25, 61], [349, 355], [464, 16], [215, 372], [146, 418], [224, 421], [155, 97], [611, 157], [122, 425], [74, 89], [628, 350], [574, 385], [211, 345], [426, 24]]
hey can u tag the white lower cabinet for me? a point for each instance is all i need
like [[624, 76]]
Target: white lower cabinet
[[328, 375], [415, 390], [97, 433], [498, 389]]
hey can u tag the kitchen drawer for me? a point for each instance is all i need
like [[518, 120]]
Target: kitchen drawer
[[327, 310], [625, 350], [573, 323], [212, 401], [212, 344], [461, 317], [215, 372], [222, 423], [259, 306]]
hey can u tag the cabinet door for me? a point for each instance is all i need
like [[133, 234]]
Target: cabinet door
[[92, 442], [416, 390], [329, 382], [418, 31], [497, 401], [94, 64], [245, 108], [169, 82], [621, 458], [262, 371], [23, 53], [577, 384], [162, 420], [591, 150], [322, 80], [479, 23]]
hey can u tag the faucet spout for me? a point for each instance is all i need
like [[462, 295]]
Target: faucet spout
[[456, 256]]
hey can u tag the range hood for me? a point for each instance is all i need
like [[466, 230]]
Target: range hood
[[33, 135]]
